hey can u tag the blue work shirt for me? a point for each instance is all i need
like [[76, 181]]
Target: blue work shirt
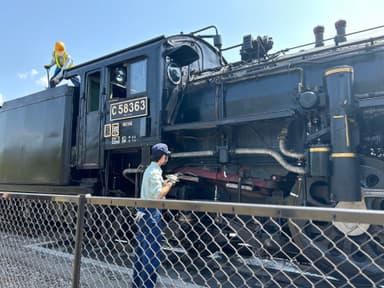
[[152, 182]]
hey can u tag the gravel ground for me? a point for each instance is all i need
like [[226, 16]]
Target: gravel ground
[[21, 266], [25, 262]]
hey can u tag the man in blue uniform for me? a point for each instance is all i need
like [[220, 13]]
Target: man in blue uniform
[[148, 251]]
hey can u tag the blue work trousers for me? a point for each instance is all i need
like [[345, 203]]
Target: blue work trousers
[[148, 251]]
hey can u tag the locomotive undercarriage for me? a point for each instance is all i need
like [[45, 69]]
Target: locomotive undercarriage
[[330, 242]]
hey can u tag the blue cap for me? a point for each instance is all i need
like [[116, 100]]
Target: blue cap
[[160, 148]]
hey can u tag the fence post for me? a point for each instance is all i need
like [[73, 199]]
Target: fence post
[[78, 242]]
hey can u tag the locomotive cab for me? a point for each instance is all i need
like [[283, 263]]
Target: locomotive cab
[[124, 99], [118, 115]]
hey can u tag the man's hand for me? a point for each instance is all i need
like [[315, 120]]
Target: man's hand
[[172, 178], [5, 195], [56, 81], [139, 216], [168, 182]]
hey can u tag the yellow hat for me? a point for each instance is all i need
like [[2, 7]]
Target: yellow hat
[[59, 46]]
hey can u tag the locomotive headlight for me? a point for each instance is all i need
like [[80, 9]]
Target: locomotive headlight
[[174, 73], [120, 75]]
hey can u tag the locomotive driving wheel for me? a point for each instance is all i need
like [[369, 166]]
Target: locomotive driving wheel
[[349, 251]]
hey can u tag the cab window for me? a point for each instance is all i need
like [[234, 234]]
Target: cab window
[[138, 77], [128, 79], [93, 91], [118, 81]]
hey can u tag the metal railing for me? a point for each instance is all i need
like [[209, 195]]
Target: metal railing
[[78, 241]]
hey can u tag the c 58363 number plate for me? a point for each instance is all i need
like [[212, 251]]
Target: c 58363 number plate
[[132, 108]]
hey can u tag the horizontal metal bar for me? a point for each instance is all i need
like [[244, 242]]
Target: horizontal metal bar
[[44, 197], [369, 192], [46, 189], [295, 212], [280, 211]]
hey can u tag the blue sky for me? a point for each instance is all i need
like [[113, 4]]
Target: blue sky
[[90, 29]]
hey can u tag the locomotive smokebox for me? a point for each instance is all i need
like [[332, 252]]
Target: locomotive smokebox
[[345, 180]]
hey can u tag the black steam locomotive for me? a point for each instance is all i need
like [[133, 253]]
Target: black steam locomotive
[[303, 128]]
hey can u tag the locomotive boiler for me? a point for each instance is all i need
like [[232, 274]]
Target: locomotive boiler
[[301, 128]]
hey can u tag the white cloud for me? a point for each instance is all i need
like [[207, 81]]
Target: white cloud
[[22, 76], [29, 74], [42, 82], [34, 72]]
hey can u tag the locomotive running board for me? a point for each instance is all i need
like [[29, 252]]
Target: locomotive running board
[[46, 189]]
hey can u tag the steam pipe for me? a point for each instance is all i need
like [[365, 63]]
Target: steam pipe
[[245, 151], [273, 154], [288, 153], [193, 154], [284, 150]]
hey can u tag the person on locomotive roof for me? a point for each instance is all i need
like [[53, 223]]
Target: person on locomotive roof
[[149, 238], [63, 61]]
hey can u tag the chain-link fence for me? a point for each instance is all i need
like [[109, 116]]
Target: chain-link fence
[[70, 241]]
